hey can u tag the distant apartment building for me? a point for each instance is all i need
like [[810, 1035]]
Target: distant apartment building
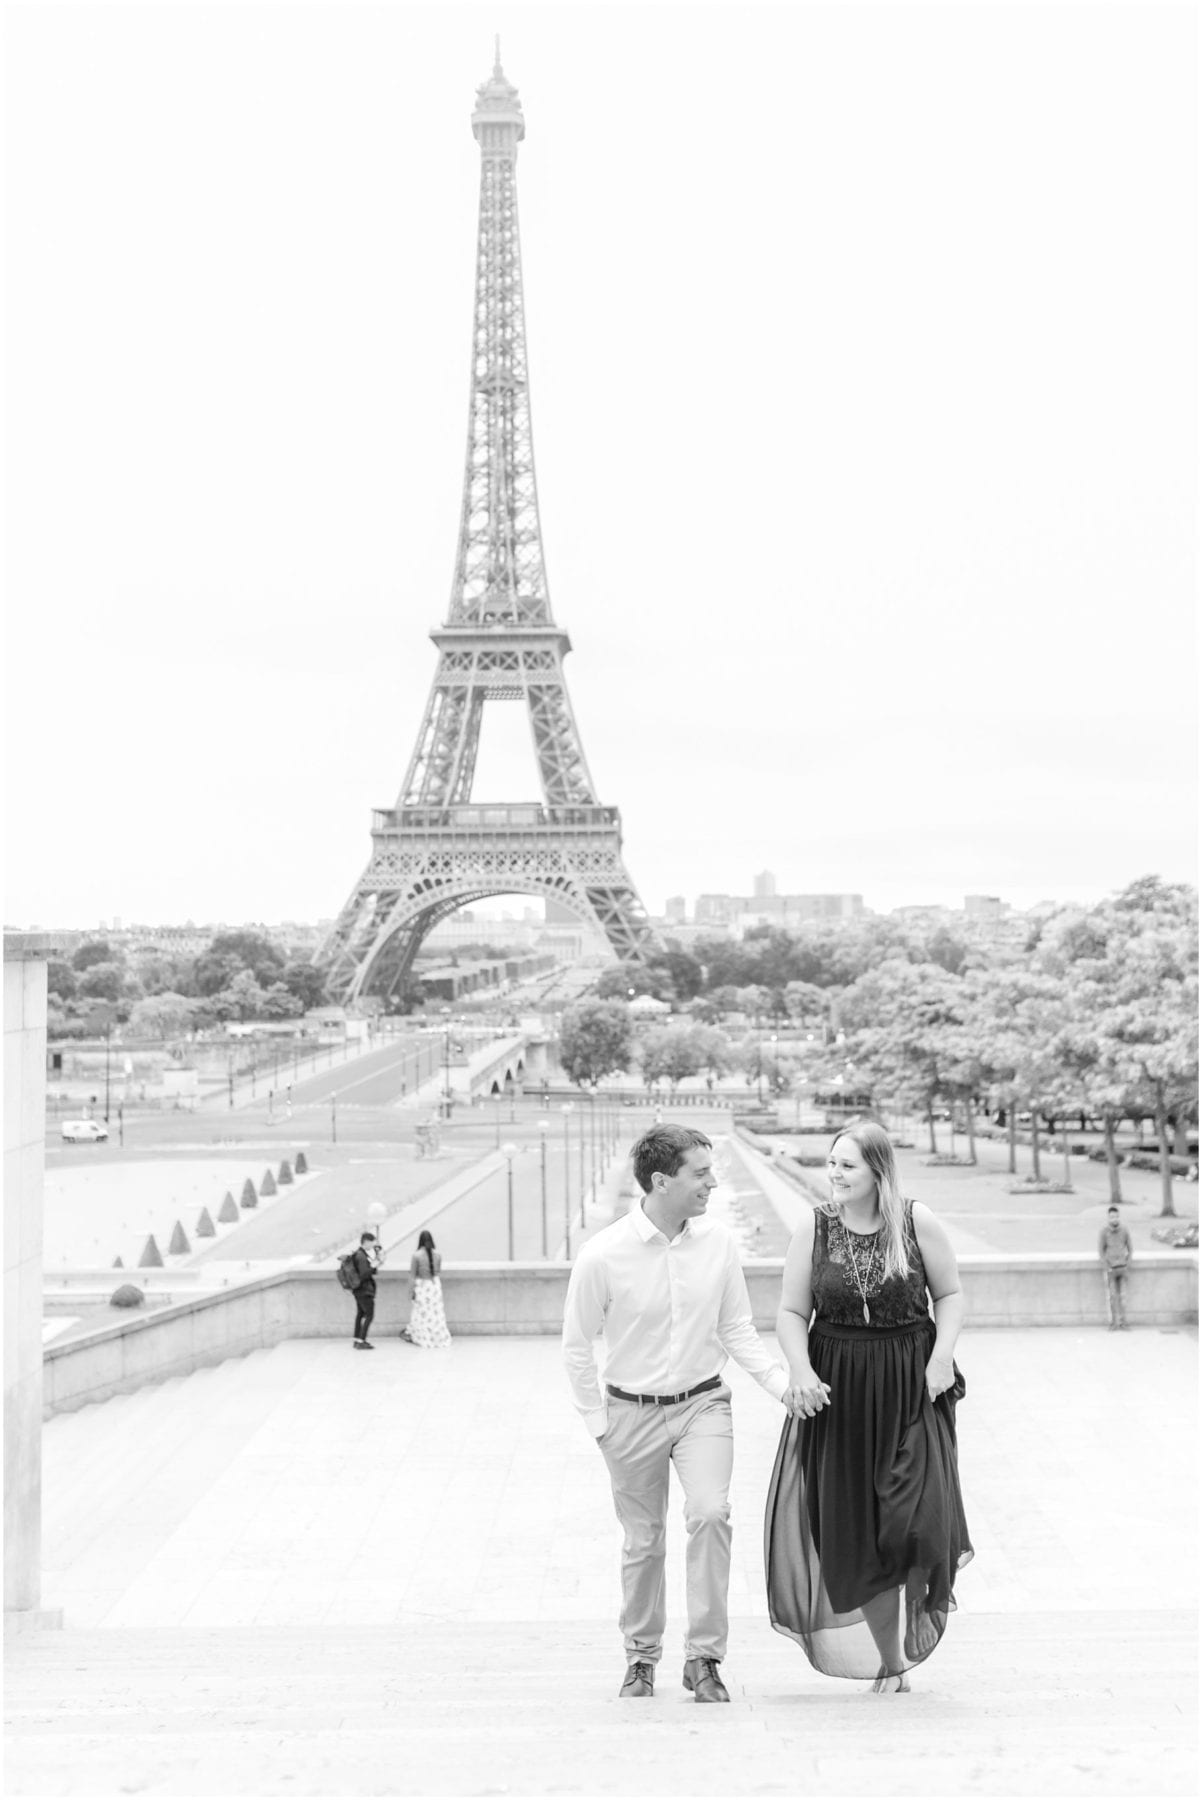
[[984, 906], [763, 886], [718, 909], [676, 910], [740, 913]]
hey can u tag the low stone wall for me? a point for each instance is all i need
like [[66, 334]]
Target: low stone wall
[[506, 1299]]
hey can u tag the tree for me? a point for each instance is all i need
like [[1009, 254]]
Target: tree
[[899, 1018], [306, 982], [232, 952], [102, 981], [279, 1002], [161, 973], [162, 1016], [96, 950], [62, 983], [1129, 1035], [671, 1053], [242, 999], [713, 1049], [594, 1040], [677, 972], [616, 983]]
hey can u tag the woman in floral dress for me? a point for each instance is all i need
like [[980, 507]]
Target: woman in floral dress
[[865, 1527], [427, 1319]]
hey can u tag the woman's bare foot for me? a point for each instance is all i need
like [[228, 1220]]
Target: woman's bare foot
[[922, 1634], [890, 1684]]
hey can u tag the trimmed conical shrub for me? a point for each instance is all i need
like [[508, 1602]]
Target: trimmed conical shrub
[[228, 1214], [127, 1295], [267, 1185], [179, 1245], [249, 1197], [150, 1258], [285, 1174], [302, 1166], [205, 1226], [117, 1263]]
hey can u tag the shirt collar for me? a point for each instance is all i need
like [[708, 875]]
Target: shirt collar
[[646, 1230]]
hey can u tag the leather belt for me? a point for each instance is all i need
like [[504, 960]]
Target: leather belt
[[703, 1387]]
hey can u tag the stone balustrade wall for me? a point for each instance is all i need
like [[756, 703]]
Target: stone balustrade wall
[[499, 1299]]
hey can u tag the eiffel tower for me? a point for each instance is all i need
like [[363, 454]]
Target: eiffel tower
[[434, 850]]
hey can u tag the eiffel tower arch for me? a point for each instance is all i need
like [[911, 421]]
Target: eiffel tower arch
[[435, 851]]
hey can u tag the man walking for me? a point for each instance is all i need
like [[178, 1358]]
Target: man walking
[[366, 1259], [664, 1288], [1114, 1249]]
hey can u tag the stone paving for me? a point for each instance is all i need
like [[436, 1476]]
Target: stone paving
[[311, 1572]]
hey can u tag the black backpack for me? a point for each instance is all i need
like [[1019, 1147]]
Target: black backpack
[[348, 1272]]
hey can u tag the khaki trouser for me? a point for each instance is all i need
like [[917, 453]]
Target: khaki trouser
[[640, 1444]]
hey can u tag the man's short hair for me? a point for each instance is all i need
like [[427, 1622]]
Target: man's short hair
[[367, 1237], [662, 1150], [1112, 1209]]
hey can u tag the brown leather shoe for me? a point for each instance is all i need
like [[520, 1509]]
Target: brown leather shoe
[[701, 1674], [639, 1682]]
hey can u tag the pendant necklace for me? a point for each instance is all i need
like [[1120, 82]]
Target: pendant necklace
[[855, 1268]]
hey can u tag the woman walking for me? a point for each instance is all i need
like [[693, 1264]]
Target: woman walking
[[865, 1528], [427, 1317]]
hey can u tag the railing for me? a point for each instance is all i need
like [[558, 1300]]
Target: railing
[[531, 817]]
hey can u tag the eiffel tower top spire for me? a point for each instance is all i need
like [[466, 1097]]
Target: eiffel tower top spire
[[500, 578]]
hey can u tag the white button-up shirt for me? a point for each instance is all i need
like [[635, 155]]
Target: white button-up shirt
[[670, 1312]]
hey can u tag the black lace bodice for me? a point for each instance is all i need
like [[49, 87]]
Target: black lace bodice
[[848, 1270]]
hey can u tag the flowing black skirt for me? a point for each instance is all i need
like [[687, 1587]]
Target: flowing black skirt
[[864, 1507]]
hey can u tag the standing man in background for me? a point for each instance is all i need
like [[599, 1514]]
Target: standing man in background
[[1114, 1249], [367, 1259], [665, 1290]]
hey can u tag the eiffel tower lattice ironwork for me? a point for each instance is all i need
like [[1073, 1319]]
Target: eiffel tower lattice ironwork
[[434, 851]]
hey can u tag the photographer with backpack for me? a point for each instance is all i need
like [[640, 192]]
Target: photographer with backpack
[[363, 1263]]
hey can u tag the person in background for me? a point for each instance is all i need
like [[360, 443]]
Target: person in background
[[1114, 1251], [367, 1259], [427, 1326]]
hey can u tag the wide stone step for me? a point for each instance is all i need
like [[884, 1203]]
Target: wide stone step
[[1097, 1704]]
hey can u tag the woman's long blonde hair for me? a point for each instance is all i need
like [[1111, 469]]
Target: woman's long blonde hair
[[877, 1151]]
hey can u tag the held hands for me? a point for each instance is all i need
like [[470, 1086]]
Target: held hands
[[806, 1396], [940, 1375]]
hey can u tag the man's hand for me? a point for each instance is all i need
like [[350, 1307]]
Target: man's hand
[[805, 1397]]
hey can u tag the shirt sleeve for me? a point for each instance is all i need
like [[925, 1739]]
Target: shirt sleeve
[[583, 1319], [738, 1335]]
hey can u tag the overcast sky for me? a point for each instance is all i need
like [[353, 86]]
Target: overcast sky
[[863, 373]]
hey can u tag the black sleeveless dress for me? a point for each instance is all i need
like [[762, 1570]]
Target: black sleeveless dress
[[865, 1497]]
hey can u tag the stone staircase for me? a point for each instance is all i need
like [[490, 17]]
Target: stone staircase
[[311, 1571], [1017, 1707]]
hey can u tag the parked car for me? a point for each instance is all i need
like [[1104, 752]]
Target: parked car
[[84, 1131]]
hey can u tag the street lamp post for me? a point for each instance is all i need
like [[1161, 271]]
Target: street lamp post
[[566, 1110], [108, 1037], [580, 1134], [592, 1136], [544, 1126], [509, 1151]]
